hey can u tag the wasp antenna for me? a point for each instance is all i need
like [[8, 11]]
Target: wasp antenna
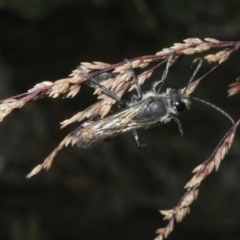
[[158, 84], [215, 107], [196, 70]]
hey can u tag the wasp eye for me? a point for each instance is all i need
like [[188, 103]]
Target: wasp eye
[[180, 106]]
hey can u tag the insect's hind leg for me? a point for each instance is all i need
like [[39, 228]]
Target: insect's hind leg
[[142, 146], [104, 89]]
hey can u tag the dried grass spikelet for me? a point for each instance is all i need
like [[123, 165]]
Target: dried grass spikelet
[[193, 41], [211, 40], [198, 49], [100, 108], [196, 45], [104, 110], [40, 86], [202, 47], [192, 46], [58, 88], [108, 83], [181, 213], [165, 52], [177, 46], [219, 57], [95, 65], [138, 63], [7, 106], [234, 88], [196, 180], [201, 172], [189, 51], [168, 214], [47, 163], [164, 232], [188, 198], [142, 78], [69, 87], [73, 91], [189, 42]]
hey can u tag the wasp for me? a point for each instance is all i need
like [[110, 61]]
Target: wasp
[[144, 110]]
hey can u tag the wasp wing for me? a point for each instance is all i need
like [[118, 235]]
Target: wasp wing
[[111, 126]]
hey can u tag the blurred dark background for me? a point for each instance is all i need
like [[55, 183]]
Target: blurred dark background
[[113, 191]]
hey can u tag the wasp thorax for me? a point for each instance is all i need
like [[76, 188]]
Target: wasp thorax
[[156, 109]]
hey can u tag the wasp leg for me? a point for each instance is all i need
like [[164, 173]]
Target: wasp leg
[[179, 125], [104, 89], [158, 84], [139, 91], [99, 78], [142, 146]]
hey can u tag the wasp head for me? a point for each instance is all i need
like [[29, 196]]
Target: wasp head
[[179, 101]]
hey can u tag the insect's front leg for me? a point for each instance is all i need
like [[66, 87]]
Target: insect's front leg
[[142, 146]]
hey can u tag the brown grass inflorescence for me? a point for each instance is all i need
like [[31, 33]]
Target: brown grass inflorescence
[[200, 173], [120, 81]]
